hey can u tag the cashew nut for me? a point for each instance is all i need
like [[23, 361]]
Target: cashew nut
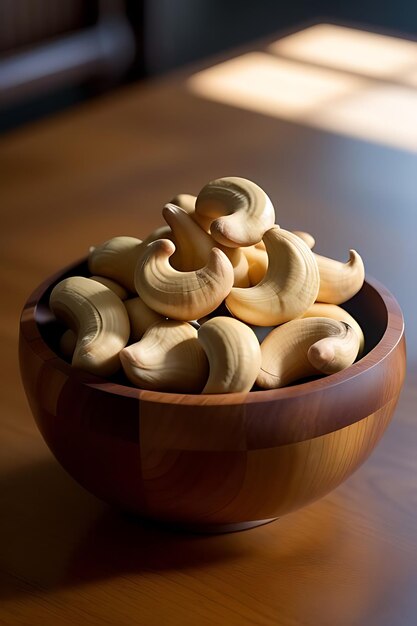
[[99, 319], [119, 290], [116, 259], [288, 288], [185, 201], [305, 347], [169, 357], [68, 340], [233, 353], [320, 309], [306, 237], [141, 317], [182, 295], [239, 263], [162, 232], [241, 211], [339, 281], [193, 245], [257, 263]]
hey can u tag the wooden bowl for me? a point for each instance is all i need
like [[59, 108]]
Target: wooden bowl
[[213, 462]]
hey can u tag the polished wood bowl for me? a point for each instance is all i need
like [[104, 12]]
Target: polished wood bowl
[[213, 462]]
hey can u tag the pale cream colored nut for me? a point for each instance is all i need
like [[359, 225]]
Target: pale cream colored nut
[[119, 290], [169, 357], [288, 288], [141, 317], [257, 259], [320, 309], [239, 263], [68, 340], [116, 259], [306, 347], [162, 232], [331, 355], [182, 295], [192, 244], [233, 353], [241, 211], [99, 319], [306, 237], [185, 200], [339, 281]]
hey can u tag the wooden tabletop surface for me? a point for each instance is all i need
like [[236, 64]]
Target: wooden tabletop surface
[[106, 168]]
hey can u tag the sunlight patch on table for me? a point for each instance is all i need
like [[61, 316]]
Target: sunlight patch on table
[[384, 114], [366, 53], [278, 87], [410, 78], [332, 100]]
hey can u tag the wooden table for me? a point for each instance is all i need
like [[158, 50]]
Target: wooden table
[[104, 169]]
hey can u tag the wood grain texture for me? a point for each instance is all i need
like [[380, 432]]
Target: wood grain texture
[[205, 460], [66, 558]]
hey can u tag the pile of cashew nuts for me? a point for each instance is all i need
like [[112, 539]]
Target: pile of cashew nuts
[[179, 310]]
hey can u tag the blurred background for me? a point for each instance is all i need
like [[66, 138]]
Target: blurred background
[[317, 100], [55, 54]]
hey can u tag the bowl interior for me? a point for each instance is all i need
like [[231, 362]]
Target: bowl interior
[[367, 307]]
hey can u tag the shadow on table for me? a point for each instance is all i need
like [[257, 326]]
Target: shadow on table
[[54, 534]]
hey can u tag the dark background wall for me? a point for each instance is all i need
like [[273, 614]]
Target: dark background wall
[[184, 30], [117, 41]]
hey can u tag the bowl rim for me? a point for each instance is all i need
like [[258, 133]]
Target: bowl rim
[[391, 337]]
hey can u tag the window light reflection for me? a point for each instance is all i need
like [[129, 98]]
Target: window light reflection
[[349, 49]]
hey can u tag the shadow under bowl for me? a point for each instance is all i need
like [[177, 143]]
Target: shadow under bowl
[[213, 463]]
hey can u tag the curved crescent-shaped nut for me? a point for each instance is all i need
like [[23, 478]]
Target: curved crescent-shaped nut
[[99, 319], [120, 291], [162, 232], [239, 263], [169, 357], [288, 288], [306, 237], [185, 201], [116, 259], [339, 281], [182, 295], [141, 317], [241, 211], [334, 312], [257, 263], [192, 244], [306, 347], [332, 354], [233, 353]]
